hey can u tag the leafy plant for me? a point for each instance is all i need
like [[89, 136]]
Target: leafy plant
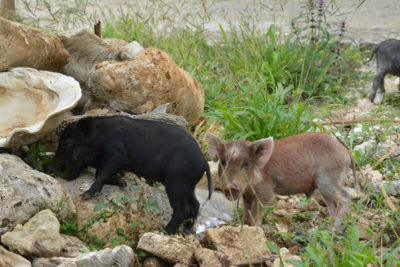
[[258, 115], [105, 211], [36, 157], [326, 249]]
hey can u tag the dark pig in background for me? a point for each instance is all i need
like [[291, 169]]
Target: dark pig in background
[[297, 164], [154, 150], [387, 55]]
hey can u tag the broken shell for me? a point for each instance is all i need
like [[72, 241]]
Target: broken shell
[[33, 103]]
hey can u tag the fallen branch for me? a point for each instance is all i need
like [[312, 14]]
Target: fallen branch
[[358, 121], [388, 201], [255, 261], [384, 157]]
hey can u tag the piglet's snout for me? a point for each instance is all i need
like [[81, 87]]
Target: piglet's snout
[[231, 191]]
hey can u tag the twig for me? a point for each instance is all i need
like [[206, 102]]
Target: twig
[[388, 201], [384, 157], [358, 121], [255, 261]]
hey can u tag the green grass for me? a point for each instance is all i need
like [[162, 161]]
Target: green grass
[[256, 84]]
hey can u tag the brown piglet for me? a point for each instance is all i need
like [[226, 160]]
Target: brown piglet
[[259, 170]]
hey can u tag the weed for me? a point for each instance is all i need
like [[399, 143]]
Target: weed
[[111, 210], [346, 250], [36, 157]]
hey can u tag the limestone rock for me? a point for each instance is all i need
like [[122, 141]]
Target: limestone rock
[[33, 103], [142, 84], [121, 256], [39, 237], [85, 49], [373, 176], [213, 213], [285, 255], [169, 248], [383, 148], [24, 46], [23, 191], [394, 188], [239, 244], [9, 259], [207, 257], [73, 246], [129, 51], [154, 262], [153, 218], [366, 146]]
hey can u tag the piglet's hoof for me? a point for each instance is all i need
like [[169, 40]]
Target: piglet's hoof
[[86, 196]]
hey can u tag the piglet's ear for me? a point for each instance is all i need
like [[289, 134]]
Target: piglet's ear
[[215, 146], [263, 150], [87, 128]]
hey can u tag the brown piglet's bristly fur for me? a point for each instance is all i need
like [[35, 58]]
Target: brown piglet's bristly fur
[[259, 170]]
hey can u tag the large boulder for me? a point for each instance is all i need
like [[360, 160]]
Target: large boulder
[[24, 46], [135, 210], [86, 49], [40, 237], [148, 206], [33, 103], [142, 84], [23, 191]]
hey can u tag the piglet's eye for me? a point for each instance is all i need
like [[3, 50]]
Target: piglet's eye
[[223, 162], [246, 165]]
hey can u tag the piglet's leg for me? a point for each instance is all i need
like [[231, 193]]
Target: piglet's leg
[[102, 175], [264, 197], [246, 207]]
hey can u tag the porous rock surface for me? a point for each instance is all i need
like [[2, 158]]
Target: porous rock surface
[[239, 244], [85, 209], [168, 247], [24, 190], [24, 46], [120, 256], [86, 49], [40, 237], [146, 82], [9, 259], [33, 103], [207, 257]]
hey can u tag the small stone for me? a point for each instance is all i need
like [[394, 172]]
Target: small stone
[[240, 243], [207, 257], [129, 51], [169, 248], [285, 255]]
